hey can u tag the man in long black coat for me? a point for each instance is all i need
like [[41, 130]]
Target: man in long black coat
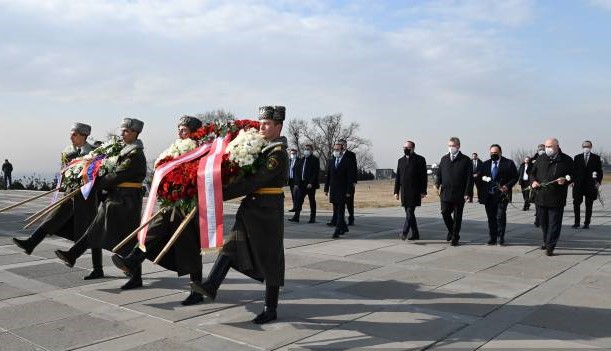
[[410, 185], [477, 167], [454, 176], [255, 246], [119, 213], [497, 177], [533, 160], [308, 171], [350, 200], [71, 219], [338, 186], [184, 256], [587, 176], [550, 184]]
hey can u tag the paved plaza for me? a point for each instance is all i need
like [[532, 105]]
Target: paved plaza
[[367, 290]]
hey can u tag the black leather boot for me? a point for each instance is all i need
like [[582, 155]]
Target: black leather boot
[[69, 257], [129, 263], [96, 259], [295, 217], [271, 303], [194, 297], [215, 278], [28, 245]]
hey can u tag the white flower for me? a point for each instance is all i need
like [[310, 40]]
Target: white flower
[[594, 174], [429, 171], [434, 165], [486, 179], [568, 178]]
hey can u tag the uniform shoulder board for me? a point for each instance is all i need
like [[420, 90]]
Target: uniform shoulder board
[[278, 148]]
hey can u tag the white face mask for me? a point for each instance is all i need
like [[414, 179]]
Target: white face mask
[[307, 153], [293, 156], [549, 151], [586, 150], [541, 152], [336, 154], [453, 150]]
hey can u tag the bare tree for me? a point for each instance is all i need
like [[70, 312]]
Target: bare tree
[[295, 131], [518, 155], [365, 161], [605, 157], [216, 115]]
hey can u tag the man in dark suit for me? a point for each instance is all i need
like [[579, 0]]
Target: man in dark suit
[[549, 180], [454, 176], [350, 201], [340, 177], [477, 167], [533, 160], [587, 176], [291, 182], [308, 169], [497, 177], [410, 184], [523, 180]]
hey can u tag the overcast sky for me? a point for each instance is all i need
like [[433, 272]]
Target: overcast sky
[[510, 72]]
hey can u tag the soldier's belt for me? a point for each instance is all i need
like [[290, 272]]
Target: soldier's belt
[[269, 191], [130, 185]]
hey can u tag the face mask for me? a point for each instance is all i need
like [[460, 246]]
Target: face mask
[[586, 150], [453, 150], [293, 156], [495, 157], [407, 151], [549, 151], [541, 152], [307, 153], [336, 154]]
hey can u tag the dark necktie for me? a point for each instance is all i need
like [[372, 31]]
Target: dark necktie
[[336, 162], [495, 170], [586, 157], [452, 158]]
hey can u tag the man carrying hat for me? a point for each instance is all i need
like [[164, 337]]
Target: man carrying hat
[[255, 245], [119, 213], [71, 219]]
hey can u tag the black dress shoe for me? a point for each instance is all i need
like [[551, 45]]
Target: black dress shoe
[[403, 236], [65, 257], [502, 242], [449, 237], [491, 242], [586, 226], [454, 243], [351, 222], [266, 316], [95, 274], [543, 247], [292, 210], [576, 225], [549, 252], [335, 236], [331, 224], [414, 237], [293, 219], [24, 245], [312, 221], [192, 299]]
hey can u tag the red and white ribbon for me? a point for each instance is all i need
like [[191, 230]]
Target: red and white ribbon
[[161, 172], [210, 195]]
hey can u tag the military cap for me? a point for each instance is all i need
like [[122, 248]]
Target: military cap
[[276, 113], [81, 128], [134, 124], [193, 123]]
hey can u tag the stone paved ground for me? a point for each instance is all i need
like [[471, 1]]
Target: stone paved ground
[[368, 290]]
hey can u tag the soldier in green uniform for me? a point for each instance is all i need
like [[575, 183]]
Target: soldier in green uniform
[[255, 245], [184, 256], [71, 219], [119, 213]]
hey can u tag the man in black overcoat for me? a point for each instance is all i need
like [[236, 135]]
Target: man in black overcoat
[[524, 181], [454, 176], [497, 177], [350, 200], [550, 183], [587, 176], [477, 167], [410, 185], [308, 171], [338, 186]]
